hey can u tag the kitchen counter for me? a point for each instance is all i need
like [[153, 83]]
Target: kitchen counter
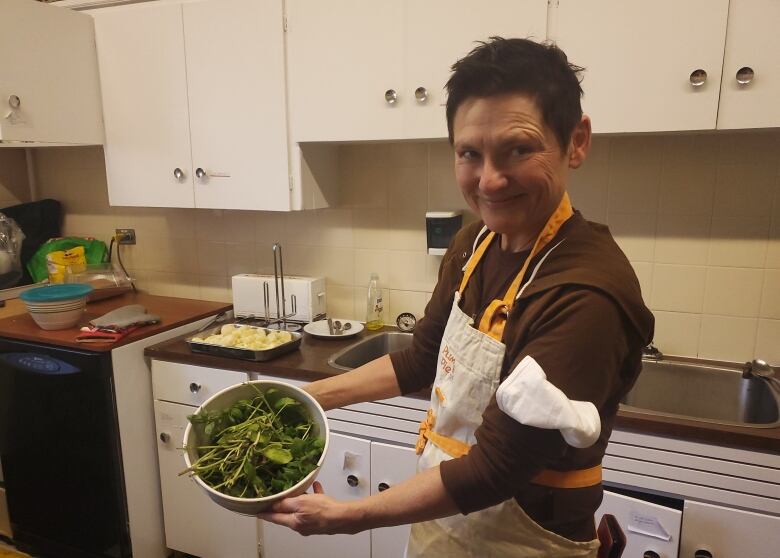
[[311, 363], [16, 323]]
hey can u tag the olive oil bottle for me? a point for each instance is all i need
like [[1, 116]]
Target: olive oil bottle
[[374, 305]]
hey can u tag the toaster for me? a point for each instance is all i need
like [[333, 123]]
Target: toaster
[[304, 297]]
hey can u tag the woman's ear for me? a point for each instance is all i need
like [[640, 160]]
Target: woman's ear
[[580, 142]]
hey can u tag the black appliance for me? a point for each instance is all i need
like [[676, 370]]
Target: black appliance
[[60, 452]]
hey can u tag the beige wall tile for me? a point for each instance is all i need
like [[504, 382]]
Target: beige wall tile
[[677, 333], [212, 258], [406, 229], [408, 183], [152, 222], [100, 226], [363, 179], [678, 288], [406, 301], [370, 228], [634, 174], [443, 191], [269, 227], [301, 228], [368, 262], [599, 150], [770, 299], [240, 258], [588, 187], [748, 147], [335, 228], [688, 175], [768, 342], [407, 271], [210, 224], [732, 291], [180, 285], [239, 226], [738, 242], [745, 190], [635, 234], [215, 288], [337, 265], [644, 273], [727, 338], [13, 177], [682, 239], [341, 302]]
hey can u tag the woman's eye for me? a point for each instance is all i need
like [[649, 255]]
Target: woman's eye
[[469, 155], [521, 150]]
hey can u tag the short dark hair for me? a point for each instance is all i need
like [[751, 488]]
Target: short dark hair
[[540, 70]]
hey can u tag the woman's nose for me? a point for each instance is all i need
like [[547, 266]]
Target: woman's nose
[[492, 177]]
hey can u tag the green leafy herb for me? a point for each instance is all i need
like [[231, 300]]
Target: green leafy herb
[[256, 447]]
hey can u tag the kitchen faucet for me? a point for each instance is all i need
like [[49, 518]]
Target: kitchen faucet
[[651, 352]]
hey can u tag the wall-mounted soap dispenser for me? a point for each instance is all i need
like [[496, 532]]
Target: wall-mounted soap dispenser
[[440, 228]]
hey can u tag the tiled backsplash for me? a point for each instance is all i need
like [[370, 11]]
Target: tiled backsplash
[[697, 215]]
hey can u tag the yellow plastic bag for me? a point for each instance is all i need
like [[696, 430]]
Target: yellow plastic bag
[[58, 262]]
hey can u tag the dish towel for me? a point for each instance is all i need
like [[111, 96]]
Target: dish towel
[[103, 335], [530, 399]]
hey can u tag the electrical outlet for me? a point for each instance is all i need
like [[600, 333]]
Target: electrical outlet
[[125, 236]]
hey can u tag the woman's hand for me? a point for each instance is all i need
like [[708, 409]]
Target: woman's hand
[[314, 514]]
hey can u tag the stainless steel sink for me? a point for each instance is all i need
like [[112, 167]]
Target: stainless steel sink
[[369, 349], [704, 393]]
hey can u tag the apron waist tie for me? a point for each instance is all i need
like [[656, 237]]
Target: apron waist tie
[[578, 478]]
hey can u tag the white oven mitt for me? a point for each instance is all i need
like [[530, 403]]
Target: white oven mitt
[[125, 316], [530, 399]]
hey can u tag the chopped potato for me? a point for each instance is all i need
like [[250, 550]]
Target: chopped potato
[[246, 337]]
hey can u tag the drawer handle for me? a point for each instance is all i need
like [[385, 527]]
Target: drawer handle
[[194, 387], [701, 553], [352, 481], [650, 554], [698, 77], [382, 486], [165, 437]]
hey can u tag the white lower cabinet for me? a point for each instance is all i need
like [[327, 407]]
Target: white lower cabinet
[[652, 530], [711, 531], [193, 523], [355, 468]]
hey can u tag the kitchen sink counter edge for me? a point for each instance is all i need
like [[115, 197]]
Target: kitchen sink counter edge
[[310, 363]]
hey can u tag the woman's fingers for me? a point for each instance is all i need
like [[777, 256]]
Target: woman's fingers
[[318, 488]]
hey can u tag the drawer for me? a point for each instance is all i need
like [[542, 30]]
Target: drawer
[[188, 384]]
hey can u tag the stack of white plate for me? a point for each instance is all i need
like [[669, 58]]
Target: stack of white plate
[[56, 306]]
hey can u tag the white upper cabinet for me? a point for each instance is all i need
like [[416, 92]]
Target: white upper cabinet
[[49, 88], [374, 70], [646, 61], [194, 104], [750, 88]]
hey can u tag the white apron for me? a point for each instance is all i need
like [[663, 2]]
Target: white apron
[[467, 376]]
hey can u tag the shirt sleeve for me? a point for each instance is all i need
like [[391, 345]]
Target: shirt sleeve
[[580, 342]]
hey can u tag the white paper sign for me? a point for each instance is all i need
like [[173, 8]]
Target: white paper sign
[[645, 524]]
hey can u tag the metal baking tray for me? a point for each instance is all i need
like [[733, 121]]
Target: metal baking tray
[[239, 353]]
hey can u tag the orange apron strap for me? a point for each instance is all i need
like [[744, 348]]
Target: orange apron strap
[[474, 260], [580, 478], [495, 316]]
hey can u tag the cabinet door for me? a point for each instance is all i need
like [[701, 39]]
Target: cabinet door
[[193, 522], [752, 42], [438, 33], [648, 527], [47, 61], [728, 533], [342, 56], [390, 465], [235, 87], [143, 80], [638, 58], [345, 475]]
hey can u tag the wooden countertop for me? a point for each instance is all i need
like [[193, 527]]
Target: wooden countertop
[[311, 363], [16, 323]]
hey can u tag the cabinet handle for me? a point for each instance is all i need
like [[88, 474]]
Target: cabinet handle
[[178, 173], [698, 77], [382, 486], [421, 94], [14, 101], [194, 388], [701, 553], [352, 481], [200, 173], [391, 96], [745, 75], [650, 554], [165, 437]]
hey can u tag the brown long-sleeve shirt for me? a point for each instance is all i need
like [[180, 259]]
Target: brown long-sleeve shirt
[[583, 320]]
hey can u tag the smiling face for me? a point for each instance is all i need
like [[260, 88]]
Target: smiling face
[[509, 165]]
